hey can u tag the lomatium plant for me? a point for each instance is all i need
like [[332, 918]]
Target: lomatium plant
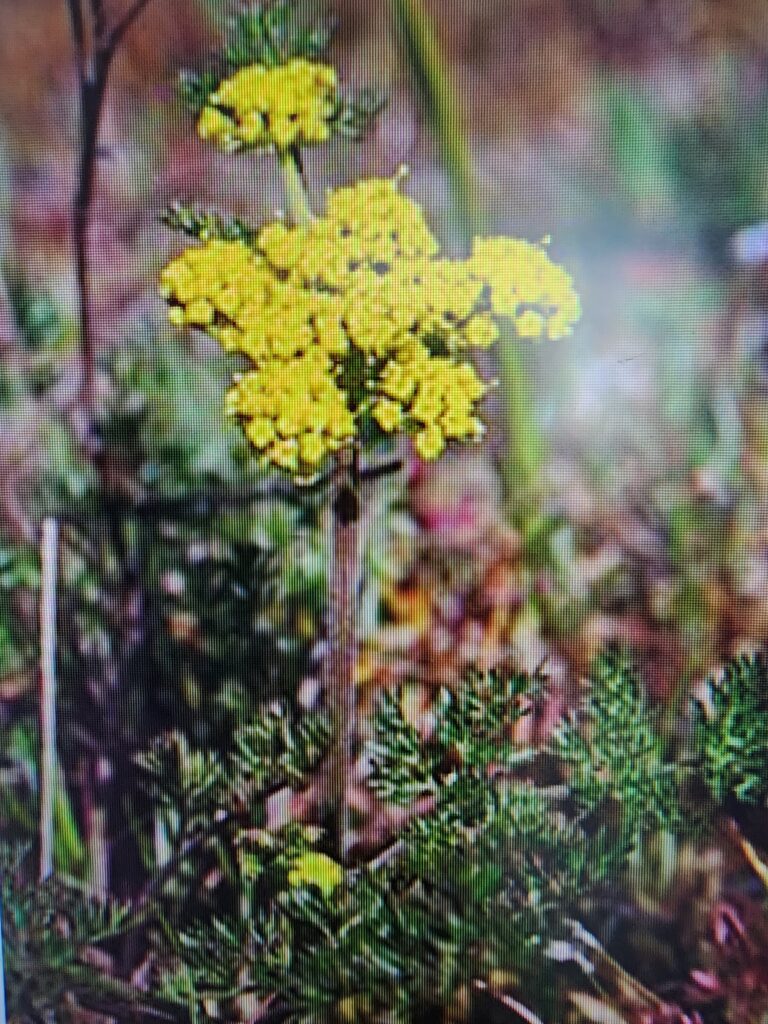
[[352, 323], [478, 889]]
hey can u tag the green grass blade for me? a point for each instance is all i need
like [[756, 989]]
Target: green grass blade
[[525, 448], [432, 78], [69, 849]]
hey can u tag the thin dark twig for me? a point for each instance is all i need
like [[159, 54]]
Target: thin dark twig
[[95, 48], [142, 906], [122, 1001], [99, 23], [115, 36], [206, 501], [93, 85], [78, 34], [389, 853], [194, 505], [384, 469], [93, 74]]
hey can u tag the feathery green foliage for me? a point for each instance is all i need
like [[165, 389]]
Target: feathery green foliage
[[615, 754], [731, 731], [50, 932], [281, 748], [469, 737], [481, 879], [204, 225], [491, 874]]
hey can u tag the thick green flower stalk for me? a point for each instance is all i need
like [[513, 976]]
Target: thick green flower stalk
[[350, 319]]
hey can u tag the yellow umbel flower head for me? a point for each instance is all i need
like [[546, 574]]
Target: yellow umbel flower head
[[283, 106], [356, 314]]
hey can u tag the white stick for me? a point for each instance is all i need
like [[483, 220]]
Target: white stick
[[512, 1004], [49, 551], [2, 970]]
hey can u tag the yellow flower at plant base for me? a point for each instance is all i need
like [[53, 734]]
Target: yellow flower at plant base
[[356, 314], [283, 106], [316, 869]]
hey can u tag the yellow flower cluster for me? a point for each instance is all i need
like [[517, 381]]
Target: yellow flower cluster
[[282, 106], [292, 408], [526, 286], [362, 284], [435, 392], [316, 869]]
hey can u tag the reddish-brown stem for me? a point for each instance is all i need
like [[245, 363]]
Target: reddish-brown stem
[[93, 74], [95, 46], [341, 657], [115, 36], [339, 663], [92, 90]]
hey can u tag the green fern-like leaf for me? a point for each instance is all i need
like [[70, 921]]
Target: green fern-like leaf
[[470, 736], [180, 777], [356, 112], [731, 731], [615, 755], [196, 86], [403, 766], [276, 32], [474, 718], [49, 930], [280, 748], [205, 225]]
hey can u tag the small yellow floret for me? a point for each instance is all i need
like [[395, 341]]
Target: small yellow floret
[[429, 442], [481, 331], [199, 313], [529, 324], [316, 869], [426, 408], [216, 126], [260, 431], [523, 279], [388, 414], [312, 448]]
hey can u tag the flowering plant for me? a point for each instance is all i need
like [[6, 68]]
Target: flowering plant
[[352, 322], [352, 314]]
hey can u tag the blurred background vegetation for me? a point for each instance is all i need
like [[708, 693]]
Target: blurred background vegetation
[[624, 486]]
